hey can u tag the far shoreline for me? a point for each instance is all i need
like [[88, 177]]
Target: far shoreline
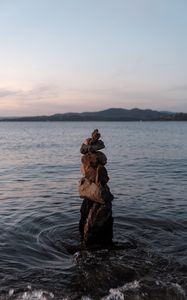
[[90, 121], [108, 115]]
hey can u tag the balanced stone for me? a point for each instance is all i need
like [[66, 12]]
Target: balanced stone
[[96, 221], [90, 174], [92, 147], [101, 176], [102, 159], [93, 159], [94, 192], [90, 160], [96, 135]]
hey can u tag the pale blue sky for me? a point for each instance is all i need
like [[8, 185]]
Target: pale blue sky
[[86, 55]]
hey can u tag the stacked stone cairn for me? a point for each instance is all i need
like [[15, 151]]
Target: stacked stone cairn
[[96, 222]]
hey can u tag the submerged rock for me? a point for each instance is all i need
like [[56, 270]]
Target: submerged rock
[[99, 223], [96, 222]]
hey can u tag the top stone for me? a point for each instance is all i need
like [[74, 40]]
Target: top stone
[[92, 144], [96, 135]]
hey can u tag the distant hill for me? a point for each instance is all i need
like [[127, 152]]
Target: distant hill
[[111, 114]]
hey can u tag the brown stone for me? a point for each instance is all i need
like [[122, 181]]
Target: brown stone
[[98, 175], [88, 141], [90, 160], [85, 169], [91, 174], [82, 169], [96, 135], [93, 160], [90, 191], [94, 192]]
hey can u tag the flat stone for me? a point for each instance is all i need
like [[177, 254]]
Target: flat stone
[[97, 145], [93, 192], [93, 147]]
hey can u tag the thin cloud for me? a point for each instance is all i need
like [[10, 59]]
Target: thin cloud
[[51, 98], [182, 88], [7, 93]]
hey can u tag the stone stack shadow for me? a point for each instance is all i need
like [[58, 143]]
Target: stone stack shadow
[[96, 222]]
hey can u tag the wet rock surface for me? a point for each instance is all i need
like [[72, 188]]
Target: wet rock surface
[[96, 222]]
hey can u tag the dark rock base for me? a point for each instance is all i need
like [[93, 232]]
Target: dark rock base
[[96, 223]]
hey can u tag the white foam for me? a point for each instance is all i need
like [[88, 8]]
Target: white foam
[[115, 294], [35, 295], [118, 293], [11, 292], [130, 286], [76, 257], [179, 289]]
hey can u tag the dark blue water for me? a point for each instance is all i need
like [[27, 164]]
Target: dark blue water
[[39, 207]]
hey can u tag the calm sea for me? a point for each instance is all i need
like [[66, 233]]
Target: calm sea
[[39, 212]]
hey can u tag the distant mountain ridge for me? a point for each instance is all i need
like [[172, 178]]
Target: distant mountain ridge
[[111, 114]]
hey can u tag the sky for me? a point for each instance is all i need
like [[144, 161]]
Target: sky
[[60, 56]]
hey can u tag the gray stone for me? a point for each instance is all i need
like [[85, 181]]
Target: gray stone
[[93, 147]]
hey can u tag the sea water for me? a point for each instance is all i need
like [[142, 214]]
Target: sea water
[[39, 211]]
